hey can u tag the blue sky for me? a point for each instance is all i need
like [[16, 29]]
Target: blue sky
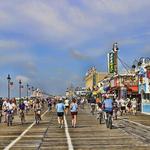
[[52, 43]]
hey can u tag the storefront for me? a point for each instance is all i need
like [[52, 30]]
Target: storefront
[[144, 89]]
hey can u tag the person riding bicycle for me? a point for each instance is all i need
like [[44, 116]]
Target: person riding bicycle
[[93, 104], [99, 109], [21, 110], [37, 108], [107, 106]]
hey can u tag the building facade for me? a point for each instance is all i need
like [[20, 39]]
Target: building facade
[[93, 77]]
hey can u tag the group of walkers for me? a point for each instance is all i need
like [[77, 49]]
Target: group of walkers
[[62, 107]]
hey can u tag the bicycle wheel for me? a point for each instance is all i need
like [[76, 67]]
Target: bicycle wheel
[[110, 122], [100, 118]]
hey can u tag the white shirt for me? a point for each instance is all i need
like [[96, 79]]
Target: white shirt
[[66, 102]]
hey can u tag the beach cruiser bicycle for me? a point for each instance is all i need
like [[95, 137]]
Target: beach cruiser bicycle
[[22, 116], [108, 118], [38, 116]]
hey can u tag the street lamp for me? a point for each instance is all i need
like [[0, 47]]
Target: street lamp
[[27, 90], [20, 86], [8, 78]]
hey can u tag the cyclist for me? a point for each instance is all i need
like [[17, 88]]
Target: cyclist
[[99, 111], [21, 110], [107, 108], [4, 107], [74, 112], [60, 107], [10, 112], [93, 104], [37, 109]]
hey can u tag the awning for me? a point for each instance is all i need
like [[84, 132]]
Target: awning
[[133, 88]]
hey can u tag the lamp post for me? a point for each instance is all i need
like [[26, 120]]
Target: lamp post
[[20, 86], [115, 50], [27, 90], [8, 78]]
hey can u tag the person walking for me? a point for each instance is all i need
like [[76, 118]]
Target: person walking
[[60, 108], [134, 106], [66, 101], [74, 112], [49, 101]]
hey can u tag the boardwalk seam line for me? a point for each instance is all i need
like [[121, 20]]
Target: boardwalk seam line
[[70, 146], [22, 134]]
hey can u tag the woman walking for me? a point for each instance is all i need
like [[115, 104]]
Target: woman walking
[[74, 111]]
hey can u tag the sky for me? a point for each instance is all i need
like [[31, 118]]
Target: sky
[[50, 44]]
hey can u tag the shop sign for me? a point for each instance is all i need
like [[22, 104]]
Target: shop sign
[[111, 67]]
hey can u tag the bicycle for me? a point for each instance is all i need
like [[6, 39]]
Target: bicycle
[[100, 115], [9, 117], [92, 108], [108, 119], [22, 116], [38, 116]]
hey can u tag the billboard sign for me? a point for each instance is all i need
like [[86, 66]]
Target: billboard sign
[[111, 68]]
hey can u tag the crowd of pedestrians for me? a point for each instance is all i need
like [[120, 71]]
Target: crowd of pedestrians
[[105, 104]]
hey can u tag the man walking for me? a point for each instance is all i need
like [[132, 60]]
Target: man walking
[[60, 107]]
